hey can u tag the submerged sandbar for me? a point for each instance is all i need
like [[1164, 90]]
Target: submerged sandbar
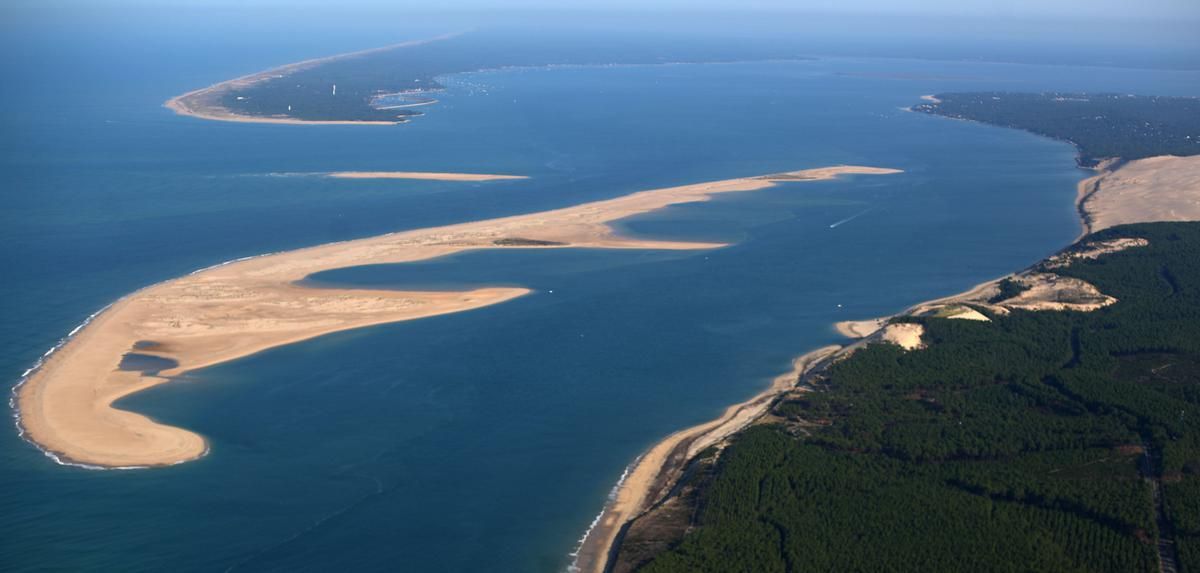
[[247, 306]]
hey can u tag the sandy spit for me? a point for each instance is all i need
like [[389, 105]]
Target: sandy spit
[[234, 310]]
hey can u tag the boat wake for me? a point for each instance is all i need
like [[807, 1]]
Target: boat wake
[[850, 218]]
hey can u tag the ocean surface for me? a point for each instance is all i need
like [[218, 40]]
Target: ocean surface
[[486, 440]]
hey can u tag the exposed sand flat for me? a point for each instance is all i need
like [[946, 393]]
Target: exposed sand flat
[[860, 328], [423, 175], [653, 474], [205, 102], [1164, 188], [822, 173], [244, 307]]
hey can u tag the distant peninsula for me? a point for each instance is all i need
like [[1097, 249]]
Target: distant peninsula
[[1102, 126], [391, 85]]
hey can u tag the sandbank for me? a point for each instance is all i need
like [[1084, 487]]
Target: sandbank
[[422, 175], [244, 307]]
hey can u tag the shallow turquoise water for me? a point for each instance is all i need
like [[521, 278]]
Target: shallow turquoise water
[[488, 439]]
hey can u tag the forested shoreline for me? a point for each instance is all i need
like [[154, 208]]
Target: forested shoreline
[[1030, 442], [1102, 126]]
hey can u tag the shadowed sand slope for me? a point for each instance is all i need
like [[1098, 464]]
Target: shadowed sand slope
[[241, 308]]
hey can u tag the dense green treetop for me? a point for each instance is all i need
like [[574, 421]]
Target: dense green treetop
[[1102, 126], [1011, 445]]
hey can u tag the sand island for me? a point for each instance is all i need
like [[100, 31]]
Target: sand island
[[240, 308]]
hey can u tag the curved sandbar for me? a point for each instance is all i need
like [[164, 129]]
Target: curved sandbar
[[205, 103], [241, 308], [423, 175]]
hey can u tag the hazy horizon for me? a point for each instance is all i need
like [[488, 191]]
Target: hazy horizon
[[1156, 34]]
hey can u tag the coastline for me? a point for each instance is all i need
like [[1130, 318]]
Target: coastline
[[1125, 201], [650, 477], [236, 309]]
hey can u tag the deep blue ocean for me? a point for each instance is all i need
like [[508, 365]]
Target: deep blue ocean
[[486, 440]]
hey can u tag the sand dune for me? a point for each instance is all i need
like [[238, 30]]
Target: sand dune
[[1164, 188], [241, 308]]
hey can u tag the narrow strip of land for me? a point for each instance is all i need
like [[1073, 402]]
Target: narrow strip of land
[[244, 307], [422, 175]]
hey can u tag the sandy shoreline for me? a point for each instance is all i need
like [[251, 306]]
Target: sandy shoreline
[[860, 328], [421, 175], [655, 471], [247, 306], [1162, 188]]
